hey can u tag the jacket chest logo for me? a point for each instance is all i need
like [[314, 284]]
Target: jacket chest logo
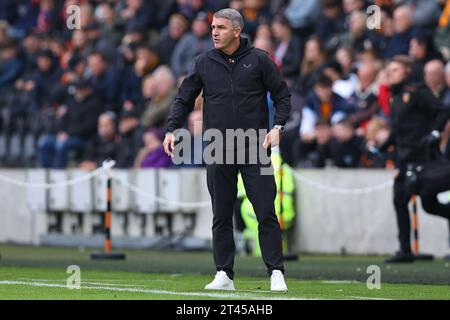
[[247, 66]]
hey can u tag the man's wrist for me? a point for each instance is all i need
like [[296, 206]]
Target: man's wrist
[[279, 127], [436, 134]]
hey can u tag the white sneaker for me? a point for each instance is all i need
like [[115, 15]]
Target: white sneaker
[[220, 282], [277, 281]]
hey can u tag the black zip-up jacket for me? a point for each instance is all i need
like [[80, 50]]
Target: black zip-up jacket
[[415, 114], [234, 90]]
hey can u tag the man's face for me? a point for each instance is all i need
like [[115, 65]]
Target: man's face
[[97, 65], [44, 63], [434, 75], [106, 127], [396, 73], [325, 93], [222, 33]]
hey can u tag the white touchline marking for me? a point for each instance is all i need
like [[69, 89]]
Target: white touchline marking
[[151, 291], [100, 287]]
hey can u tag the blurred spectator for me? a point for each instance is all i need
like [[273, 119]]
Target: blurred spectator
[[78, 125], [252, 12], [111, 28], [358, 36], [195, 127], [288, 49], [434, 76], [421, 50], [322, 105], [103, 146], [152, 154], [145, 62], [191, 45], [425, 12], [164, 91], [302, 15], [317, 155], [344, 86], [105, 79], [376, 134], [130, 139], [139, 13], [313, 59], [447, 82], [11, 66], [442, 34], [365, 96], [169, 37], [345, 147], [4, 29], [331, 23], [403, 22]]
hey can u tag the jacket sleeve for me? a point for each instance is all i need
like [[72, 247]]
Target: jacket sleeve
[[185, 99], [277, 87]]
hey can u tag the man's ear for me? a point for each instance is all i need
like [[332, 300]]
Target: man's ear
[[237, 32]]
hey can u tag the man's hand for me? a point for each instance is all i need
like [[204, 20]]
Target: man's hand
[[169, 144], [272, 139]]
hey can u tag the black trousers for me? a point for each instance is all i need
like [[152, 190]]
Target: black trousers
[[261, 191], [402, 197]]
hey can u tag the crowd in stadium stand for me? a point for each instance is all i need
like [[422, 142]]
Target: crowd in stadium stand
[[77, 97]]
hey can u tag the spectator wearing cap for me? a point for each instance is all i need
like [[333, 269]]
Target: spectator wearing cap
[[130, 139], [170, 36], [78, 124], [191, 45], [164, 91], [152, 154], [288, 49], [104, 145]]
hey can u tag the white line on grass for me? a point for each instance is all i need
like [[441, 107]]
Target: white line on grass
[[151, 291]]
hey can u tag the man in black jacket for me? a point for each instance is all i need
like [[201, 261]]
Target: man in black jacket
[[235, 78], [417, 119], [78, 124]]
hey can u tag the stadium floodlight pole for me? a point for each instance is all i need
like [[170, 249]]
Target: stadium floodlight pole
[[107, 254], [415, 227]]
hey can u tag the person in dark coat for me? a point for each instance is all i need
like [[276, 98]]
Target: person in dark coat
[[78, 124], [104, 145], [235, 78], [418, 117]]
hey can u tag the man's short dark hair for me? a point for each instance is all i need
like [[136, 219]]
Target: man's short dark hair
[[324, 81]]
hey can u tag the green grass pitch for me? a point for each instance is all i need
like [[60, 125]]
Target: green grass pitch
[[40, 273]]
